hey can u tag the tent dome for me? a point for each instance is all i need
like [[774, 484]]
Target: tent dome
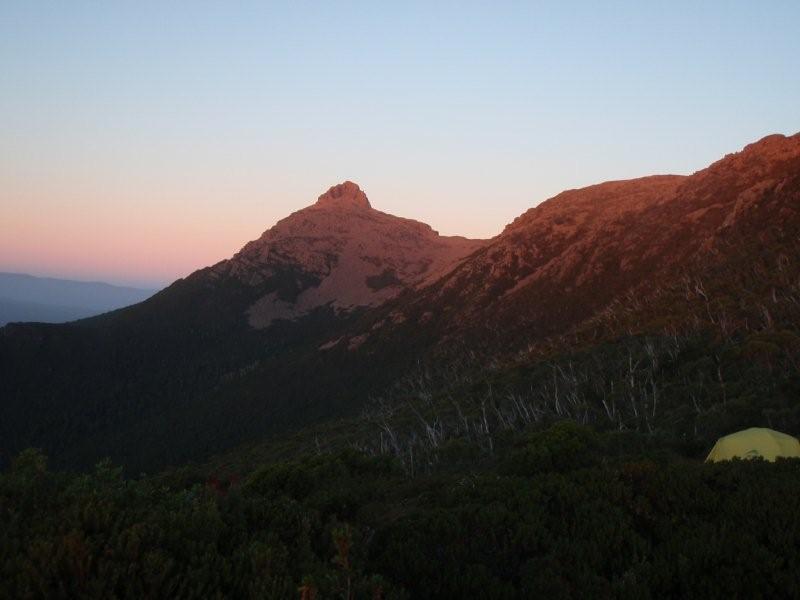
[[754, 443]]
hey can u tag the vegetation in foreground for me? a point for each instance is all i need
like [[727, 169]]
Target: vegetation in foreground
[[474, 480], [558, 513]]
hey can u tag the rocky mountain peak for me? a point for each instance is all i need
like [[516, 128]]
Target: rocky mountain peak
[[344, 195], [757, 158], [339, 253]]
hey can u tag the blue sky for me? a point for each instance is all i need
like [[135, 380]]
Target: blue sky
[[162, 136]]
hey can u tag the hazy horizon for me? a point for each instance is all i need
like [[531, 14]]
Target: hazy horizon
[[143, 142], [151, 286]]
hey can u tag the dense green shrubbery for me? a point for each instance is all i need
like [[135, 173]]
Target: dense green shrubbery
[[99, 536], [565, 512]]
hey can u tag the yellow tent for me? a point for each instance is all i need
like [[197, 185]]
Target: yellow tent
[[753, 443]]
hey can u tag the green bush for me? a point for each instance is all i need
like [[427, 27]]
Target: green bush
[[571, 513]]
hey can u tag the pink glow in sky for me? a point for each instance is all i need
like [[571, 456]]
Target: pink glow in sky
[[140, 142]]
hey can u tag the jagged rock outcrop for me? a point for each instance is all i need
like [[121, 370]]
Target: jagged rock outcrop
[[271, 339], [342, 253], [346, 195]]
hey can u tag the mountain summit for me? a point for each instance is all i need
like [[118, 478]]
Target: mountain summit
[[344, 195], [574, 254], [336, 302], [339, 253]]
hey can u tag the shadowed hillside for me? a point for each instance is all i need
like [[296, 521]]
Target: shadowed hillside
[[335, 304]]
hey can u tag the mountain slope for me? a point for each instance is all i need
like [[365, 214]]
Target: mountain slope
[[337, 301], [228, 353], [341, 253], [563, 261]]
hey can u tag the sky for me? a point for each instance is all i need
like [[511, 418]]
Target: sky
[[140, 141]]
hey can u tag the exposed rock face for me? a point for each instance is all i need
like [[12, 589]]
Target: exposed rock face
[[189, 361], [343, 253], [345, 195], [554, 265], [568, 257]]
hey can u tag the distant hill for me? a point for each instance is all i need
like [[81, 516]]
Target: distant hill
[[25, 298], [336, 303]]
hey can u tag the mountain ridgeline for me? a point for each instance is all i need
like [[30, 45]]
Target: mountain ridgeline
[[337, 302]]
